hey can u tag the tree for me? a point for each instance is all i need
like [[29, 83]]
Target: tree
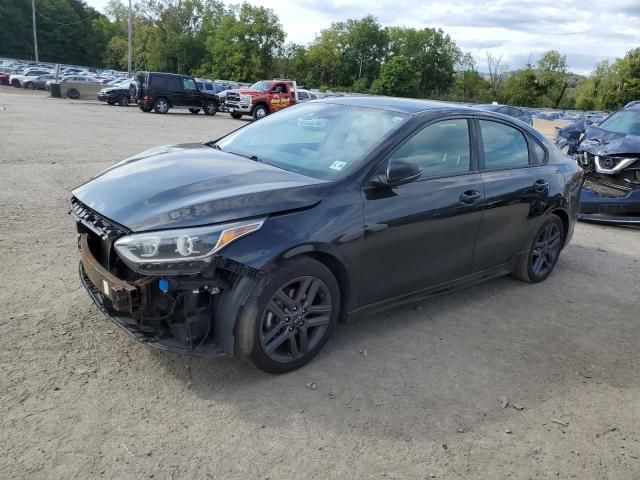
[[244, 44], [469, 85], [430, 52], [552, 78], [628, 72], [522, 88], [496, 73], [364, 44], [397, 77]]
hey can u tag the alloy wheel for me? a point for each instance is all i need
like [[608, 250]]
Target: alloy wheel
[[295, 319], [546, 249], [260, 112]]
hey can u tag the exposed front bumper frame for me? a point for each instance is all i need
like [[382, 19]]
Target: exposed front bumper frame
[[125, 295]]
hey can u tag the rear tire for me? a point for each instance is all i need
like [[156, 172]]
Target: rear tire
[[289, 317], [543, 252], [210, 108], [236, 115], [73, 93], [161, 105], [29, 86]]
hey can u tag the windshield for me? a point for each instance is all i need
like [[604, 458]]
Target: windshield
[[624, 121], [319, 140], [261, 86]]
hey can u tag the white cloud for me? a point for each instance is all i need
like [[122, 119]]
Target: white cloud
[[586, 32]]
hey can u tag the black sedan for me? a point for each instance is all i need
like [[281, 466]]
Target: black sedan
[[116, 94], [260, 241]]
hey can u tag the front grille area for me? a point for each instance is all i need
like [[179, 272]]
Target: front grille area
[[605, 190], [233, 97], [95, 222]]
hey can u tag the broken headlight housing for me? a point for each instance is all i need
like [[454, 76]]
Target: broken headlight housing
[[183, 251]]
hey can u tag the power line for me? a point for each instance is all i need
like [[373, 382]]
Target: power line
[[60, 23]]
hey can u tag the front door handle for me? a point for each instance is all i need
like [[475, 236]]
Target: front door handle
[[541, 185], [470, 196]]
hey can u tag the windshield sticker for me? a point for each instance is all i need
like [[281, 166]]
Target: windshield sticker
[[338, 165]]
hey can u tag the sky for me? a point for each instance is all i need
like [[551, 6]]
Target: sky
[[586, 31]]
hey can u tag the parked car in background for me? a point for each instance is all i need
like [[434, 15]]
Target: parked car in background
[[38, 83], [261, 240], [4, 78], [609, 153], [305, 95], [160, 92], [119, 94], [514, 112], [18, 80], [262, 98]]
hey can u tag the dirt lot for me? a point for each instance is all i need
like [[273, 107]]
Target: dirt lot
[[79, 399]]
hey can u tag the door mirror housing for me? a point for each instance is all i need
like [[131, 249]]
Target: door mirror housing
[[399, 172]]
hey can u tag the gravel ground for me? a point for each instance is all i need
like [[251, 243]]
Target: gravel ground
[[413, 393]]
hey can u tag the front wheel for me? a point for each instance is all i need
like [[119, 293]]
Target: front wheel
[[123, 100], [540, 260], [259, 112], [291, 318], [30, 86], [236, 115]]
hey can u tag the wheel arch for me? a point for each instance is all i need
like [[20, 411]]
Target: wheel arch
[[260, 103], [564, 216]]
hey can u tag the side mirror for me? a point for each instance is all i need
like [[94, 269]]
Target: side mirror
[[399, 172]]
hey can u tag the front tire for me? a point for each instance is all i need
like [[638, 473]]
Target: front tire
[[236, 115], [161, 105], [260, 111], [123, 100], [543, 253], [73, 93], [30, 86], [290, 318]]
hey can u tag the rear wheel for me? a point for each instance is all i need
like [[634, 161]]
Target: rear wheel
[[123, 100], [291, 318], [73, 93], [540, 260], [29, 86], [210, 108], [161, 105], [236, 115], [194, 110]]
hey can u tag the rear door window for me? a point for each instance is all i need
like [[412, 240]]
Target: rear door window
[[504, 146], [189, 84]]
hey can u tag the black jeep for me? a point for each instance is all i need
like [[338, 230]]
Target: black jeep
[[160, 91]]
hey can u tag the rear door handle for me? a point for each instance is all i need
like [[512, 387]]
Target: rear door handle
[[540, 185], [470, 196]]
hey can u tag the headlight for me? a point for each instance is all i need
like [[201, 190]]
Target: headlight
[[181, 251], [245, 98]]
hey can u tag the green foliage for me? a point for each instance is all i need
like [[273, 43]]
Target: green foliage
[[247, 43], [397, 77]]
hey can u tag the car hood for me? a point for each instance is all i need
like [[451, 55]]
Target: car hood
[[597, 140], [247, 91], [191, 185]]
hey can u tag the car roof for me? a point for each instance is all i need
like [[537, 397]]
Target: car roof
[[396, 104]]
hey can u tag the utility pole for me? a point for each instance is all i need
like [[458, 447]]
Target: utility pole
[[129, 55], [35, 35]]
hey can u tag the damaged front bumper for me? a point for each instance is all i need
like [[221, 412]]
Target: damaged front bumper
[[190, 327], [605, 201]]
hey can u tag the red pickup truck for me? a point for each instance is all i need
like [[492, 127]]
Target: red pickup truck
[[262, 98]]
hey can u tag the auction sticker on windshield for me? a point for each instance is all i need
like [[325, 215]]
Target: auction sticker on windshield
[[337, 165]]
